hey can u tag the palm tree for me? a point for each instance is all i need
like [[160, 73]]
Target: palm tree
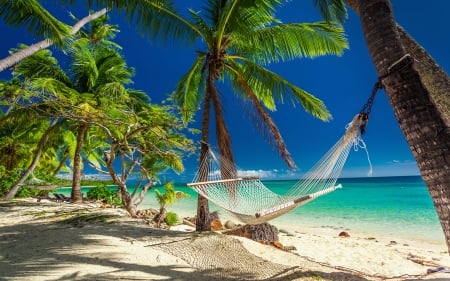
[[239, 37], [422, 118], [93, 86], [99, 75]]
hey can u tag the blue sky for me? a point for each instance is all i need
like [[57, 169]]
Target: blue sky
[[343, 83]]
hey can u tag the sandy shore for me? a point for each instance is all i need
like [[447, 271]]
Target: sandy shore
[[59, 241]]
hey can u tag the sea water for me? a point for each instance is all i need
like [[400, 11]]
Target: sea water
[[397, 207]]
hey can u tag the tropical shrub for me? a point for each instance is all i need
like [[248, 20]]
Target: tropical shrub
[[167, 198], [105, 194], [7, 179], [171, 218], [32, 192]]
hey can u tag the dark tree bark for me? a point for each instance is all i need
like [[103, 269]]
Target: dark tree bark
[[202, 222], [264, 232], [424, 126]]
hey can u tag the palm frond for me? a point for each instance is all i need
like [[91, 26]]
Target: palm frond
[[190, 89], [32, 15], [112, 93], [138, 100], [290, 41], [113, 69], [40, 64], [204, 29], [158, 19], [332, 10], [269, 86], [84, 66], [53, 89], [248, 15]]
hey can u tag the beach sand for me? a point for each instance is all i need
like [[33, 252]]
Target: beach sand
[[61, 241]]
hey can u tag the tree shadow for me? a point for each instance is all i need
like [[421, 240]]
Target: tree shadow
[[43, 249]]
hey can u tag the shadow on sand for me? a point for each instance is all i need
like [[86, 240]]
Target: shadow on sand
[[49, 244]]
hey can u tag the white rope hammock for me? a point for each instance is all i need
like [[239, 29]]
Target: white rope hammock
[[250, 201]]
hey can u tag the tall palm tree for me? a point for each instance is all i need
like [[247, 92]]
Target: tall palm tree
[[425, 124], [239, 38], [99, 73]]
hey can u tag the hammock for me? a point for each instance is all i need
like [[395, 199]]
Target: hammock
[[250, 201]]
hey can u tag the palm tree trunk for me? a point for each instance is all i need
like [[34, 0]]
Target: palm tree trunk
[[20, 55], [433, 77], [76, 195], [40, 147], [425, 128], [202, 222], [223, 138]]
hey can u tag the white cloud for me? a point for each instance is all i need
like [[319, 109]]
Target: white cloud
[[274, 174]]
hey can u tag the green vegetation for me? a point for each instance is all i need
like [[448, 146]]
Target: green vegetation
[[165, 199], [105, 194], [169, 196], [171, 218], [32, 192], [56, 119], [61, 119]]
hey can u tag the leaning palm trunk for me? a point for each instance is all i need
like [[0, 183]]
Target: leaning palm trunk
[[40, 147], [203, 222], [20, 55], [425, 127]]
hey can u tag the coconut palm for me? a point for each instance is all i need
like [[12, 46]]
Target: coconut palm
[[99, 73], [93, 85], [239, 38]]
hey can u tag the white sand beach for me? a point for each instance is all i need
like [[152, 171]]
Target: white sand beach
[[61, 241]]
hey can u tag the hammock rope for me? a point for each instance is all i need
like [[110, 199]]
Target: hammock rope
[[249, 200]]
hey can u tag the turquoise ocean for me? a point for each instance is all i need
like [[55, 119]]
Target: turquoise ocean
[[397, 207]]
